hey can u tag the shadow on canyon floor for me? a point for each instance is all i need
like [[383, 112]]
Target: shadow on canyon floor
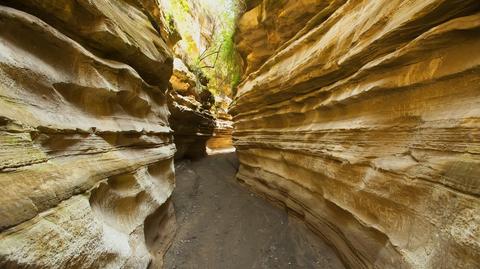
[[223, 226]]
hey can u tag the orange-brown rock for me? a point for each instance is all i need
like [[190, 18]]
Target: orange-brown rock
[[366, 125]]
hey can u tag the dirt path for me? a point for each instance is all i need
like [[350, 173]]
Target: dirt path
[[223, 226]]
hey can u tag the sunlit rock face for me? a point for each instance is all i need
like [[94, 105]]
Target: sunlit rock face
[[195, 24], [86, 151], [191, 119], [222, 133], [366, 125], [269, 24]]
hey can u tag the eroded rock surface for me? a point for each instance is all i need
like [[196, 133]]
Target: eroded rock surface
[[222, 133], [86, 151], [269, 24], [191, 119], [366, 124]]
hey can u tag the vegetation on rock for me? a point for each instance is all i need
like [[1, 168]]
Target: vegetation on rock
[[207, 46]]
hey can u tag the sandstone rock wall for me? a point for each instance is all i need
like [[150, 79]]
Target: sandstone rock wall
[[86, 151], [190, 102], [269, 24], [366, 124], [222, 133]]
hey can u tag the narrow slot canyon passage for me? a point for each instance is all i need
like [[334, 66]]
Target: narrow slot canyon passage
[[239, 134], [220, 224]]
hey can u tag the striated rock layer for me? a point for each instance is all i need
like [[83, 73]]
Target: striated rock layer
[[86, 151], [190, 102], [222, 133], [366, 125], [269, 24]]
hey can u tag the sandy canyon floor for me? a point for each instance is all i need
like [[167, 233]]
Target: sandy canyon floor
[[222, 225]]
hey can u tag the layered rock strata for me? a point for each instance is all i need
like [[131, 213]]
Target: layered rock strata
[[269, 24], [366, 124], [117, 30], [222, 133], [86, 151], [191, 119]]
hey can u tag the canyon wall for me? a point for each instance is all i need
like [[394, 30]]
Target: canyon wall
[[191, 119], [198, 117], [86, 151], [222, 133], [364, 120], [269, 24]]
